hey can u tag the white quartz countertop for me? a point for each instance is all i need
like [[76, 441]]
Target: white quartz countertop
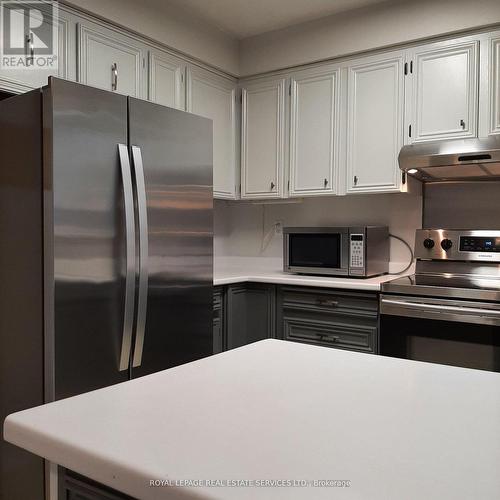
[[280, 278], [269, 271], [282, 411]]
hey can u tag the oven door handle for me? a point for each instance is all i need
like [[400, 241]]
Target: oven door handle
[[442, 308]]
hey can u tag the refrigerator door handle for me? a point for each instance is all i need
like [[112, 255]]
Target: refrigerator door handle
[[128, 196], [143, 255]]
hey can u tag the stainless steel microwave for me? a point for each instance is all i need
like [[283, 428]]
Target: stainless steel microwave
[[360, 251]]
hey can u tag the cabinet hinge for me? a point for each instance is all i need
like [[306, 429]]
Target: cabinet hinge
[[411, 66], [182, 77], [290, 89], [288, 185], [409, 131], [406, 68]]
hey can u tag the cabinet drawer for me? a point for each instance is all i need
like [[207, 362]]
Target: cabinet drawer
[[359, 338], [330, 303]]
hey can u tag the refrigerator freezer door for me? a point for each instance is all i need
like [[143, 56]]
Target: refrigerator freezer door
[[85, 238], [176, 152]]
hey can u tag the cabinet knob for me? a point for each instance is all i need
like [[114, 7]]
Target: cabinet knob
[[355, 180], [272, 186], [462, 124], [325, 182]]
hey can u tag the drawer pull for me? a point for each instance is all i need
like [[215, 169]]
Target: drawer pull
[[328, 303], [331, 338]]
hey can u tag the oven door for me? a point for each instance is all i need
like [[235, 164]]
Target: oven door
[[460, 333], [316, 251]]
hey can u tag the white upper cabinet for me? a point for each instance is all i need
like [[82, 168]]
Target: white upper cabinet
[[18, 79], [442, 90], [214, 97], [111, 60], [494, 82], [375, 101], [166, 79], [263, 140], [314, 131]]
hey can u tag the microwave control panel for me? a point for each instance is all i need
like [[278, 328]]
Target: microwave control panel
[[357, 251]]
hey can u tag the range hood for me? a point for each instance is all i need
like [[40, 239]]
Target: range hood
[[457, 159]]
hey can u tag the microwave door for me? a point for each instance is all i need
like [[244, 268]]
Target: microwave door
[[317, 253]]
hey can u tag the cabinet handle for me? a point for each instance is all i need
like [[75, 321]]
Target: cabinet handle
[[331, 338], [325, 183], [355, 180], [328, 302], [31, 47], [114, 75], [272, 186], [462, 124]]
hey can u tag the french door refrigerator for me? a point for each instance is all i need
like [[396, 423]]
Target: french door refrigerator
[[105, 249]]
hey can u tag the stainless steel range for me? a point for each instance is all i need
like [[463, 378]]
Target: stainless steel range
[[449, 311]]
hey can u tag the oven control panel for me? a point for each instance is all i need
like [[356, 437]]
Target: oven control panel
[[456, 245], [357, 253], [479, 244]]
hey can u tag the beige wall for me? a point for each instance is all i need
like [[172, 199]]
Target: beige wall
[[242, 229], [171, 27], [390, 23]]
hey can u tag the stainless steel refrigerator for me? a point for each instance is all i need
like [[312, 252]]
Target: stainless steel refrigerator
[[105, 249]]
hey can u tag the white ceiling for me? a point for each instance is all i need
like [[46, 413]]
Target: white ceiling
[[244, 18]]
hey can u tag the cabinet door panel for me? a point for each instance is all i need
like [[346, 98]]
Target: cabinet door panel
[[250, 314], [444, 92], [263, 139], [375, 124], [100, 50], [213, 96], [495, 86], [314, 134], [18, 79], [166, 80]]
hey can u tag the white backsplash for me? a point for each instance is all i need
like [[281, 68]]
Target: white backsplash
[[245, 229]]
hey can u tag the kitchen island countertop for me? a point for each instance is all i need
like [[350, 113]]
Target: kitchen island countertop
[[282, 411]]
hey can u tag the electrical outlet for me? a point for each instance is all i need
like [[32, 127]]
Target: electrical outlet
[[278, 227]]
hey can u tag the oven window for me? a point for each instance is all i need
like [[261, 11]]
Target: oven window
[[315, 250], [445, 342]]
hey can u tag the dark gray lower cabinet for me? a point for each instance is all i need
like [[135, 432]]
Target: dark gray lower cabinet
[[333, 318], [250, 313], [72, 486]]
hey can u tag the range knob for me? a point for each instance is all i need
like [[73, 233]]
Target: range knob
[[428, 243], [446, 244]]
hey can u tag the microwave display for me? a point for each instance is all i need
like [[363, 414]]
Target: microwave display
[[320, 250]]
